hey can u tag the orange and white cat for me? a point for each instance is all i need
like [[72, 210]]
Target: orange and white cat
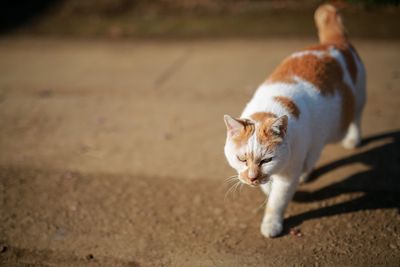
[[314, 97]]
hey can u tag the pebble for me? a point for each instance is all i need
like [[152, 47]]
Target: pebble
[[194, 232], [296, 232], [72, 207]]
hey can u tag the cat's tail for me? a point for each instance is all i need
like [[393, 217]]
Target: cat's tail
[[329, 24]]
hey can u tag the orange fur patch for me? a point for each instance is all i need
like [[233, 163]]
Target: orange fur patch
[[266, 136], [241, 138], [261, 116], [289, 105], [346, 50], [325, 73]]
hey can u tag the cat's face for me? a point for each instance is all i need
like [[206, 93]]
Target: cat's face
[[256, 148]]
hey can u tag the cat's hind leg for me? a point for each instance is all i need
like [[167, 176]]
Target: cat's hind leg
[[352, 138], [309, 164], [305, 176]]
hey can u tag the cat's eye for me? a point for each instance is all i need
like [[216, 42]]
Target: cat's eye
[[265, 161], [242, 159]]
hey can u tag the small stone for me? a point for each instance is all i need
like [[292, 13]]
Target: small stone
[[296, 232], [72, 207], [89, 257], [195, 233]]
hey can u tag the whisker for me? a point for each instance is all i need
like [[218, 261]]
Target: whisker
[[236, 187], [230, 178], [231, 189], [231, 181], [227, 192], [263, 204], [241, 187]]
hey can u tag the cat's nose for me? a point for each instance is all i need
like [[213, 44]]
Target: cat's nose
[[252, 174]]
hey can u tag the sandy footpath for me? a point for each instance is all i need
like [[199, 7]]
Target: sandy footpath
[[111, 154]]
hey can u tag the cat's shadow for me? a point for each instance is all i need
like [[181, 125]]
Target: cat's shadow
[[380, 184]]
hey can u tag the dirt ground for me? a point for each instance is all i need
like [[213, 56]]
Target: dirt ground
[[111, 154]]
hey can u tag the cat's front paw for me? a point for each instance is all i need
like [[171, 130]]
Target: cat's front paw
[[271, 228]]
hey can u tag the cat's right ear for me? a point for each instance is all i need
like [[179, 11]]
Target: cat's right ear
[[234, 126]]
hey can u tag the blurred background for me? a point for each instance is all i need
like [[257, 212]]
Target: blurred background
[[112, 135], [191, 18]]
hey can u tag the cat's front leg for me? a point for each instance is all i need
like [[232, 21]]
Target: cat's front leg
[[281, 193], [266, 188]]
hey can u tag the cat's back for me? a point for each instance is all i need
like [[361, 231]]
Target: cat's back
[[328, 67], [318, 86]]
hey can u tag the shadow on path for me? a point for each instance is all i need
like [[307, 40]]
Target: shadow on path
[[380, 184]]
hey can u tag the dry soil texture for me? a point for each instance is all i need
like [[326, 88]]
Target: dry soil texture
[[111, 154]]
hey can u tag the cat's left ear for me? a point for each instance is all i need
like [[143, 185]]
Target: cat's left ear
[[234, 126], [279, 126]]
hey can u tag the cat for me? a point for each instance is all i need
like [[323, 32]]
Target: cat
[[314, 97]]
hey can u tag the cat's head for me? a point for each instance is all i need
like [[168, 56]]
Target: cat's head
[[256, 148]]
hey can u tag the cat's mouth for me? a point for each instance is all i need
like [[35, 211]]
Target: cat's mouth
[[260, 181], [256, 182]]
